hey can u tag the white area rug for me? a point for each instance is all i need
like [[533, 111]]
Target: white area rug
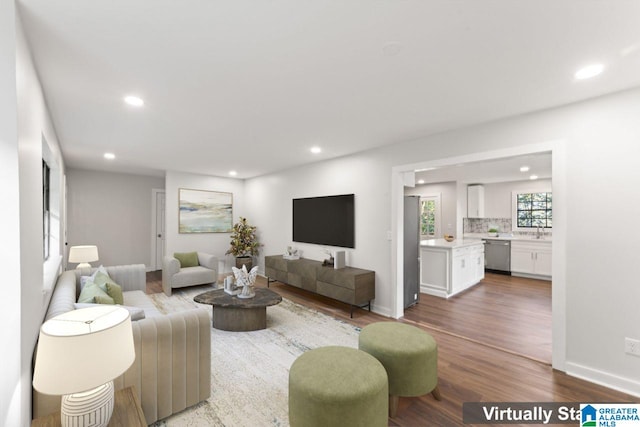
[[250, 370]]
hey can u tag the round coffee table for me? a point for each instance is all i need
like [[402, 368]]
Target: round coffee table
[[231, 313]]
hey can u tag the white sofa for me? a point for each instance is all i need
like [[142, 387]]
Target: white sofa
[[174, 276], [172, 368]]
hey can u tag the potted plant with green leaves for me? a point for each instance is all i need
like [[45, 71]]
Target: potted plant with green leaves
[[244, 243]]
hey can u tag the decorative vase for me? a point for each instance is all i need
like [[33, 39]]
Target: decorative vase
[[247, 261]]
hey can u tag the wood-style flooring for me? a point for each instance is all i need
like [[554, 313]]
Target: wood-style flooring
[[469, 369], [509, 313]]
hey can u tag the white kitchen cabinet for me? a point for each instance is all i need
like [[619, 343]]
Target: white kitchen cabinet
[[531, 258], [447, 268], [475, 201]]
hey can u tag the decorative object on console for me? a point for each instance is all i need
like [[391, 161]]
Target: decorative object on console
[[246, 280], [202, 211], [83, 255], [244, 243], [291, 253], [449, 238], [230, 287], [328, 262], [79, 354]]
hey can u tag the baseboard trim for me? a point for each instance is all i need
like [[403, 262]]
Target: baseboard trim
[[602, 378], [434, 292]]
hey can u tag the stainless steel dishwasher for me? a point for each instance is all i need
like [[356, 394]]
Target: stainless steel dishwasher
[[497, 255]]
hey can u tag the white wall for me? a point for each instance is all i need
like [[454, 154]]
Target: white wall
[[448, 192], [497, 197], [11, 406], [112, 211], [24, 120], [600, 139], [269, 199], [213, 243]]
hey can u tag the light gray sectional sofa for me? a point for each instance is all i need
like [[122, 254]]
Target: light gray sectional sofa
[[172, 368]]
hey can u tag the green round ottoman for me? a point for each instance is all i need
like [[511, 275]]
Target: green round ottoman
[[409, 355], [337, 386]]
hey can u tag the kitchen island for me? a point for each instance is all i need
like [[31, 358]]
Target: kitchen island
[[447, 268]]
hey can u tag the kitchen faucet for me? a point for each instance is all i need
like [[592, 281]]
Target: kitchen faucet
[[538, 233]]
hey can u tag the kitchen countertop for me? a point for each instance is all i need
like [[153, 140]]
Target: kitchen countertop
[[441, 243], [508, 236]]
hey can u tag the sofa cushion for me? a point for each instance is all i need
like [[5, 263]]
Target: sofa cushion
[[187, 259], [90, 291], [141, 300], [193, 276]]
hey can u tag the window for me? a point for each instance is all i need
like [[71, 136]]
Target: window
[[430, 215], [46, 212], [427, 217], [534, 210]]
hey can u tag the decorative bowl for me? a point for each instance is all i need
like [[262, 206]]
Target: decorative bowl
[[449, 238]]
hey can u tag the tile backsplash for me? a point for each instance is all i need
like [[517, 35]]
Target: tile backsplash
[[481, 225]]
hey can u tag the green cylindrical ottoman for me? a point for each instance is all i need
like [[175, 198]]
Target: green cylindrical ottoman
[[337, 386], [409, 355]]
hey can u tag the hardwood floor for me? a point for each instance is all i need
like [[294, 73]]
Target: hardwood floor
[[468, 370], [510, 313]]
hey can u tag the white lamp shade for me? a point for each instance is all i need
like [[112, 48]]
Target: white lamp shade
[[82, 349], [86, 253]]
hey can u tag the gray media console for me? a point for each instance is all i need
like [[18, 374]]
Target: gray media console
[[353, 286]]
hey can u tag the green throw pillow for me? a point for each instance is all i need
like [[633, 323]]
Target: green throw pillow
[[115, 291], [187, 259], [90, 291], [107, 284], [103, 300]]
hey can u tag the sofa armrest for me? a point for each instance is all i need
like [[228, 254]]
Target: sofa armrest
[[172, 368], [170, 266], [208, 260]]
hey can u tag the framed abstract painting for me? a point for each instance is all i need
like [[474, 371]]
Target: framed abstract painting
[[202, 211]]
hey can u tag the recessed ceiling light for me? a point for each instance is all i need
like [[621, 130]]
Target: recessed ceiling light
[[532, 177], [316, 150], [524, 168], [134, 101], [589, 71], [233, 173], [109, 156], [421, 181]]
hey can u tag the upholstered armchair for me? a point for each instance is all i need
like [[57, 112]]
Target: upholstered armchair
[[188, 269]]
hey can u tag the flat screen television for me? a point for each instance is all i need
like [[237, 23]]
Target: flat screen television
[[325, 220]]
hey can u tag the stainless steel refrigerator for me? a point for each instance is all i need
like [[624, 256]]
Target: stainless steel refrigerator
[[411, 250]]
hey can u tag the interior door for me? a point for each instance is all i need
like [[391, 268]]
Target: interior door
[[159, 228]]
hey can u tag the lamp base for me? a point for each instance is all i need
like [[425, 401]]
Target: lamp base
[[90, 408], [83, 265]]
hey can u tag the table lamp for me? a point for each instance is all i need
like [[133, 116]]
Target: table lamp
[[79, 354], [84, 255]]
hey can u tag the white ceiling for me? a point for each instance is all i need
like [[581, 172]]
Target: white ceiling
[[491, 171], [252, 85]]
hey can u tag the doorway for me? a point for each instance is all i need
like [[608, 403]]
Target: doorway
[[158, 207], [557, 149]]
